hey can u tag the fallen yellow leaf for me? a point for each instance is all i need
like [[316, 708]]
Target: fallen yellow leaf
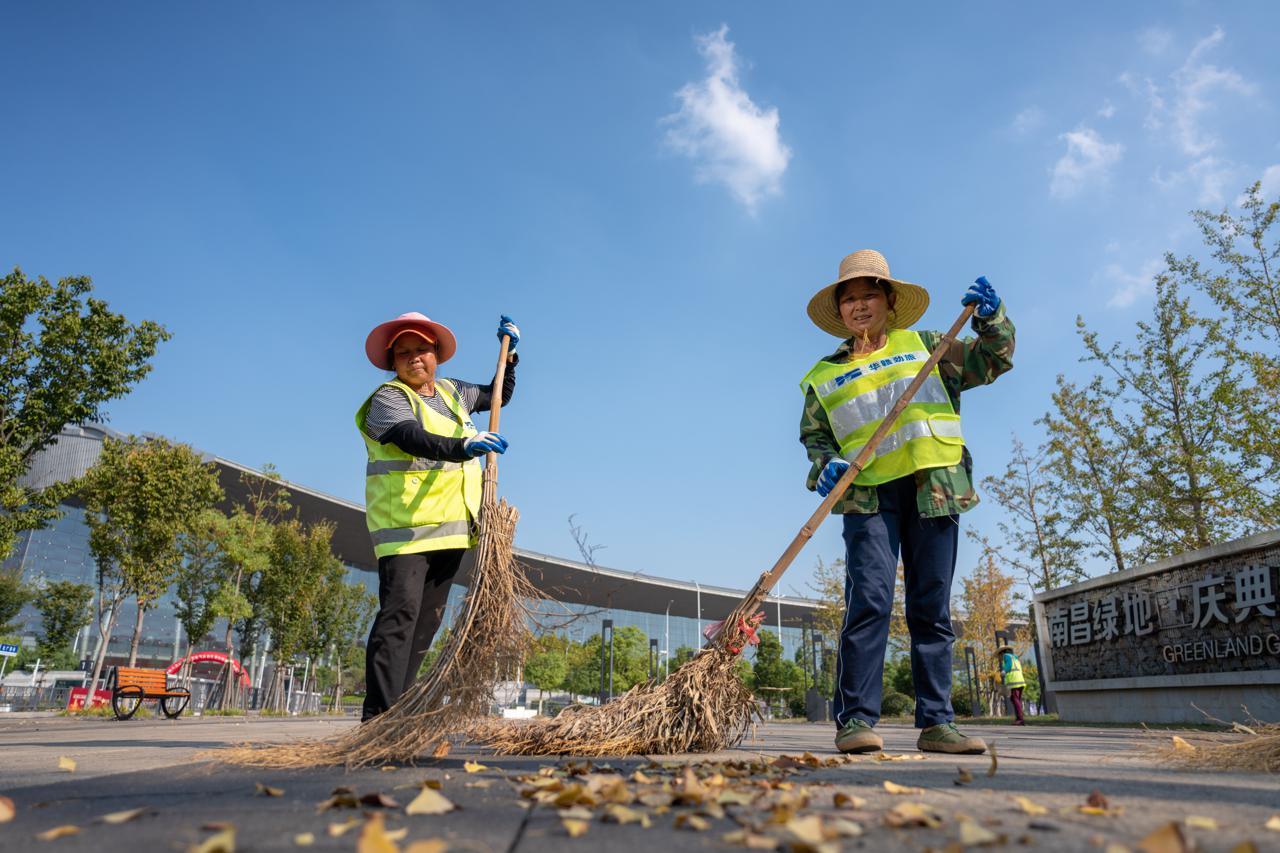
[[67, 764], [991, 750], [575, 828], [895, 788], [1180, 745], [429, 801], [57, 832], [373, 837], [336, 830], [123, 817], [750, 840], [304, 839], [1245, 847], [973, 835], [621, 814], [223, 842], [1198, 822], [1167, 839], [7, 810], [1273, 823], [847, 801], [1029, 807], [692, 821], [843, 828], [473, 766], [442, 749], [963, 776], [267, 790], [428, 845], [394, 835], [912, 814]]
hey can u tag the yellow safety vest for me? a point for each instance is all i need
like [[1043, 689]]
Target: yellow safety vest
[[858, 394], [1013, 678], [412, 504]]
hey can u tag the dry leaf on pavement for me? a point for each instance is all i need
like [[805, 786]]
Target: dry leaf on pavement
[[304, 839], [621, 814], [429, 801], [575, 828], [973, 835], [912, 814], [1245, 847], [7, 810], [692, 821], [427, 845], [963, 776], [1167, 839], [57, 832], [1098, 800], [337, 830], [379, 800], [1180, 745], [895, 788], [473, 766], [222, 842], [373, 837], [1201, 822], [750, 840], [1273, 823], [847, 801], [991, 750], [67, 764], [442, 749], [123, 817], [267, 790], [1030, 807]]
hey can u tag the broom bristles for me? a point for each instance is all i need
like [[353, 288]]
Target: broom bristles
[[490, 636]]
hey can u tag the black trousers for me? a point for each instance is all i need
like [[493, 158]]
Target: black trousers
[[412, 591]]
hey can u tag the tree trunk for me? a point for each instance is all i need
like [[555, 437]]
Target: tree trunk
[[104, 637], [137, 634]]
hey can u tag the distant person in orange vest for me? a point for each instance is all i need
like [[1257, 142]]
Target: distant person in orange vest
[[1011, 673]]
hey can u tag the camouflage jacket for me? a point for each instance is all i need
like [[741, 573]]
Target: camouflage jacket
[[939, 491]]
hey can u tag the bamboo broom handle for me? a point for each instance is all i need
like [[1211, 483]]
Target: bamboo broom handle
[[495, 409], [769, 578]]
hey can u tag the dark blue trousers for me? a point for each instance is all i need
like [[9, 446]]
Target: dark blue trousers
[[872, 546]]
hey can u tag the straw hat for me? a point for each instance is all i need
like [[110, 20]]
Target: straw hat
[[1005, 648], [909, 306], [377, 346]]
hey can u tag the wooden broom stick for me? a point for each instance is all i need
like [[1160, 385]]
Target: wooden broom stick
[[755, 597], [490, 489]]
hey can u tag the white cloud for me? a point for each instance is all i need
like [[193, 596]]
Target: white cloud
[[1087, 162], [1130, 286], [1028, 121], [1154, 40], [1108, 109], [731, 140], [1197, 85], [1209, 174]]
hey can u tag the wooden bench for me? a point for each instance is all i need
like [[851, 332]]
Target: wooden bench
[[131, 685]]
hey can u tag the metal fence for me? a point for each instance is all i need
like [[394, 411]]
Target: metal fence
[[34, 698]]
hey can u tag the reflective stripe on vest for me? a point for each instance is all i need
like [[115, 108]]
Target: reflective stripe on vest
[[1013, 678], [858, 395], [413, 504]]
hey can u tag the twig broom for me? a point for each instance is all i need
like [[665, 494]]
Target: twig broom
[[703, 706], [489, 637]]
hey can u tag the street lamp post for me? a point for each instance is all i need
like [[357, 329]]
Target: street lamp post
[[653, 660]]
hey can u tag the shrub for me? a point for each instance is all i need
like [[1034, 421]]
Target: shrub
[[896, 704], [960, 702]]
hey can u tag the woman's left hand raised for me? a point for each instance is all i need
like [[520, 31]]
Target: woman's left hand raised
[[508, 327], [982, 295]]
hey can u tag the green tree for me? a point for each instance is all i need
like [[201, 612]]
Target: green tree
[[340, 615], [1089, 460], [547, 666], [630, 663], [777, 680], [986, 605], [828, 583], [64, 356], [141, 496], [14, 595], [300, 571], [245, 538], [64, 610], [1038, 539], [200, 577], [1245, 287], [1181, 384]]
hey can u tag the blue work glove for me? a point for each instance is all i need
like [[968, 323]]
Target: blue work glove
[[507, 326], [982, 294], [830, 474], [485, 442]]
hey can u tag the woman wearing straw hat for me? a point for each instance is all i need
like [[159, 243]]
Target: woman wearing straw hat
[[422, 489], [1014, 682], [908, 498]]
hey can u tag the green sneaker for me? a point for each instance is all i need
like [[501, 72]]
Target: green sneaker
[[857, 736], [947, 738]]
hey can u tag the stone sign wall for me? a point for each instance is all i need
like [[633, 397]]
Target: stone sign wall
[[1205, 621]]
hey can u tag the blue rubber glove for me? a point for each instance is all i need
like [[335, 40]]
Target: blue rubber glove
[[507, 326], [982, 294], [485, 442], [830, 474]]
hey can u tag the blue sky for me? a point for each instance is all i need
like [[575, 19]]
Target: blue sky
[[653, 191]]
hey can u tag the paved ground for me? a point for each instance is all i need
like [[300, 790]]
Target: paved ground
[[151, 763]]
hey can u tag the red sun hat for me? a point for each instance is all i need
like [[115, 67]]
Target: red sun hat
[[377, 346]]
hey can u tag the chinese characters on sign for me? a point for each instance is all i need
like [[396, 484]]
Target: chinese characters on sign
[[1134, 613]]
